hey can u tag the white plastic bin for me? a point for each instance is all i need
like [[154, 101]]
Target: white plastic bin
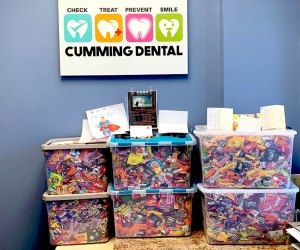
[[75, 168], [78, 219], [152, 212], [247, 216], [232, 159]]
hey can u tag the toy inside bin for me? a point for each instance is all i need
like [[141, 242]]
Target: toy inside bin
[[232, 159], [75, 168], [78, 218], [247, 216], [152, 212], [163, 161]]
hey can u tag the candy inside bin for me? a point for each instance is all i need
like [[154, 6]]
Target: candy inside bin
[[247, 216], [152, 212], [160, 162], [75, 168], [78, 219], [235, 159]]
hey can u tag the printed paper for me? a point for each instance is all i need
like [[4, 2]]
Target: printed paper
[[248, 123], [107, 120], [220, 118], [141, 131], [273, 117], [171, 121]]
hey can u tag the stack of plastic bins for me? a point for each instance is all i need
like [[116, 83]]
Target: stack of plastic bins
[[78, 218], [151, 193], [77, 199], [243, 162]]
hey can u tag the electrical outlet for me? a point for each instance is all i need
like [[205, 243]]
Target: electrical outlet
[[296, 179]]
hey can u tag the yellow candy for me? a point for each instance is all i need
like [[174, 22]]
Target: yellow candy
[[226, 167], [68, 157], [178, 233], [257, 139], [55, 225], [253, 174], [159, 214], [222, 237], [250, 157], [55, 157], [235, 142], [135, 159]]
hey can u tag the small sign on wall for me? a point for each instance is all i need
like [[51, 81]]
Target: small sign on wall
[[123, 37]]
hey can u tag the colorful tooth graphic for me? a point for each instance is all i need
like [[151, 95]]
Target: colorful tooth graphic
[[169, 27], [108, 28], [77, 27], [139, 28]]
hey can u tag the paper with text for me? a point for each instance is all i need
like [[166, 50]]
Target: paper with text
[[248, 123], [172, 121], [220, 118], [273, 117], [141, 131]]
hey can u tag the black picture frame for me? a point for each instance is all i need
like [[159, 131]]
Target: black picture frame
[[142, 108]]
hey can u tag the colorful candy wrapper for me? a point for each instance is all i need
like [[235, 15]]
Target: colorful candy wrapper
[[246, 160], [152, 213], [149, 165], [247, 216], [83, 219], [75, 168]]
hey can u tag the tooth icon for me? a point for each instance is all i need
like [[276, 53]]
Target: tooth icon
[[108, 28], [77, 27], [139, 28], [169, 28]]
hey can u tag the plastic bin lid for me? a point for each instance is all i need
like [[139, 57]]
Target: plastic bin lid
[[293, 189], [71, 143], [202, 130], [193, 189], [65, 197], [159, 140]]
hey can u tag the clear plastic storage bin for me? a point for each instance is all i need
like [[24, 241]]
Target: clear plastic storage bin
[[78, 218], [152, 212], [247, 216], [75, 168], [246, 159], [155, 163]]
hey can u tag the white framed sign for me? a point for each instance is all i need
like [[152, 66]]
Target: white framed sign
[[123, 37]]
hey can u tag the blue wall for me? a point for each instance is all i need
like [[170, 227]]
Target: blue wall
[[36, 104], [244, 58], [261, 41]]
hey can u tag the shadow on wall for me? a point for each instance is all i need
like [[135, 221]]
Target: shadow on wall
[[132, 77]]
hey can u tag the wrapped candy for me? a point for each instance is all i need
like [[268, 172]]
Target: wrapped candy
[[78, 219], [156, 163], [247, 216], [152, 213], [246, 160], [75, 168]]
